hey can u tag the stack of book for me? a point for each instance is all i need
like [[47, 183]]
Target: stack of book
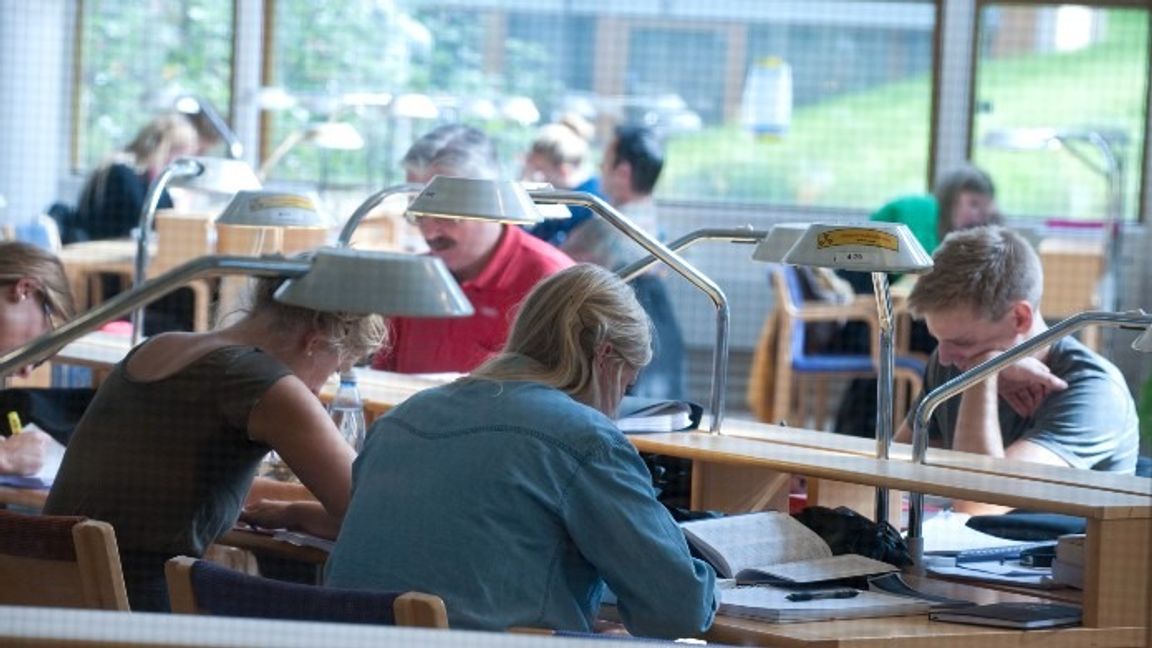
[[1068, 566]]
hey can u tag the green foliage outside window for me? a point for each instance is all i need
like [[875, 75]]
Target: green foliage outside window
[[137, 57]]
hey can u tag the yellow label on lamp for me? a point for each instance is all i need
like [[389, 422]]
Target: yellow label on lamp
[[279, 202], [857, 236]]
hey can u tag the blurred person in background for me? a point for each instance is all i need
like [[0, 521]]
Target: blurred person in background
[[629, 170], [559, 156], [113, 195]]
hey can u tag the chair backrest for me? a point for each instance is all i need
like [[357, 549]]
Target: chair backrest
[[790, 296], [201, 587], [59, 561]]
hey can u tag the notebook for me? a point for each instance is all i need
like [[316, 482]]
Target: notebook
[[771, 604], [655, 415], [1019, 616]]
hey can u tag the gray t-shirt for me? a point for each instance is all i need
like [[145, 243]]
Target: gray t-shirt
[[1091, 425]]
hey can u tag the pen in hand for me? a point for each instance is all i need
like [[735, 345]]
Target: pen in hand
[[14, 424], [817, 596]]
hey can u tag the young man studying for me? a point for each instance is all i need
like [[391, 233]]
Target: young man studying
[[1063, 405]]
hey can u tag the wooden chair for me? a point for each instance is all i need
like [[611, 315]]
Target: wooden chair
[[797, 389], [201, 587], [59, 561]]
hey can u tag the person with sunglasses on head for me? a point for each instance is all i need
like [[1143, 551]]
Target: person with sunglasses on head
[[33, 291]]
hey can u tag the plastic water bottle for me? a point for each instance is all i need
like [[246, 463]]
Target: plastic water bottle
[[347, 411]]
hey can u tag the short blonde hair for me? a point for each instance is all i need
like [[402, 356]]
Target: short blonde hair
[[562, 324], [987, 269], [564, 142], [352, 336], [19, 260]]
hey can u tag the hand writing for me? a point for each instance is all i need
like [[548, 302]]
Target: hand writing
[[23, 454]]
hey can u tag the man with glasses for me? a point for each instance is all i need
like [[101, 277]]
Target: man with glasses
[[495, 264]]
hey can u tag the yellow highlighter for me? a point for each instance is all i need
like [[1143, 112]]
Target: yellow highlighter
[[14, 422]]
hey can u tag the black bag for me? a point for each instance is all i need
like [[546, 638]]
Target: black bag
[[56, 410], [846, 531]]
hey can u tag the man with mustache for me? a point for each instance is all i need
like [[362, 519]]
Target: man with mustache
[[495, 264]]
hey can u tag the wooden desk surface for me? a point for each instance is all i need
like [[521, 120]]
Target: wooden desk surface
[[381, 390], [938, 457], [830, 464]]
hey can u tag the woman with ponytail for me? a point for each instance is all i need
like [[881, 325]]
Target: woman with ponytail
[[513, 496]]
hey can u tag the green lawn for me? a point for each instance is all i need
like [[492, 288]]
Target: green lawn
[[862, 149]]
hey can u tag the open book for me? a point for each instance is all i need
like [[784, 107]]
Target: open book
[[656, 415], [773, 547], [771, 604]]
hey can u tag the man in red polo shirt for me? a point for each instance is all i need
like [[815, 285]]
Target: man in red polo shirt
[[495, 264]]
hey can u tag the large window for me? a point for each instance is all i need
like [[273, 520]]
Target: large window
[[848, 108], [138, 58], [1060, 91]]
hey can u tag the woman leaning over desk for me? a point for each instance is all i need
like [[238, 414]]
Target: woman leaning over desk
[[511, 493], [169, 447], [33, 291]]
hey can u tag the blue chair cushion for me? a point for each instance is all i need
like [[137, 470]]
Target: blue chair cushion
[[850, 363], [224, 592]]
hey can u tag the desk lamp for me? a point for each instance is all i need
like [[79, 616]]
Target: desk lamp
[[1135, 319], [216, 175], [191, 104], [328, 279], [368, 205], [329, 135], [1109, 145], [745, 235], [877, 248], [509, 202]]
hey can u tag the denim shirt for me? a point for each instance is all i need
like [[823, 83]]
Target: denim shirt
[[516, 504]]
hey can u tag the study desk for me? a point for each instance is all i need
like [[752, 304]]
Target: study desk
[[1119, 523], [85, 262], [380, 390]]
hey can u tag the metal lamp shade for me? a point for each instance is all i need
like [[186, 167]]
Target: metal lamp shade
[[467, 198], [272, 209], [336, 136], [1022, 139], [214, 175], [874, 247], [366, 281], [774, 247]]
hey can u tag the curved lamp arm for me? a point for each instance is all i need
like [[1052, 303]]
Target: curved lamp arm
[[744, 234], [178, 168], [280, 151], [928, 405], [368, 205], [680, 266], [203, 267]]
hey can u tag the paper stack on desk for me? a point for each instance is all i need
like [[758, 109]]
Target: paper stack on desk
[[770, 604]]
